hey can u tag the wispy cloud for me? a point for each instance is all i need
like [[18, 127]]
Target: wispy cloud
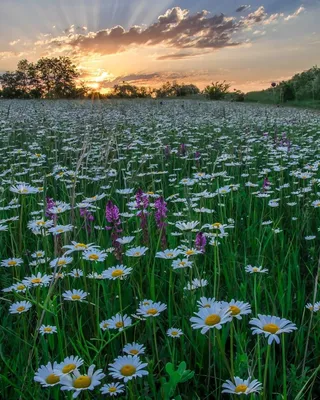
[[243, 8]]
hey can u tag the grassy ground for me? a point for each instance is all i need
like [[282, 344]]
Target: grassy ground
[[267, 97], [231, 191]]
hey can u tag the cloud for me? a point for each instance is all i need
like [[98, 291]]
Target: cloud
[[243, 8], [295, 14], [14, 42], [179, 56], [176, 29]]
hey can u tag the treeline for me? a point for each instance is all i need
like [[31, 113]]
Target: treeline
[[303, 86], [55, 77], [58, 78]]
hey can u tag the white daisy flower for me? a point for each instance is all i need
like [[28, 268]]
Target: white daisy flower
[[125, 239], [76, 273], [136, 251], [74, 295], [20, 307], [184, 263], [11, 262], [174, 332], [113, 389], [207, 302], [237, 308], [254, 270], [37, 280], [271, 327], [151, 309], [75, 246], [46, 375], [117, 272], [68, 365], [196, 283], [241, 386], [168, 254], [134, 349], [77, 382], [208, 318], [23, 188], [47, 329], [61, 262], [127, 368], [119, 322], [313, 307], [95, 255], [186, 226], [20, 287], [38, 254]]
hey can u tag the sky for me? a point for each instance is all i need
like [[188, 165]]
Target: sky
[[248, 44]]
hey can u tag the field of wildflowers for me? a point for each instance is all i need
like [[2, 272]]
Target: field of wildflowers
[[159, 251]]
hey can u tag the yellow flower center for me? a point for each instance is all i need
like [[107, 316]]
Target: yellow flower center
[[174, 333], [255, 269], [21, 287], [216, 225], [134, 352], [150, 192], [47, 329], [169, 254], [189, 252], [59, 230], [94, 257], [38, 254], [36, 280], [116, 273], [40, 222], [241, 388], [271, 328], [105, 325], [68, 368], [82, 382], [24, 190], [75, 297], [128, 370], [80, 246], [182, 263], [235, 310], [212, 319], [52, 379], [119, 324], [152, 311], [137, 254], [12, 263], [21, 308], [62, 262]]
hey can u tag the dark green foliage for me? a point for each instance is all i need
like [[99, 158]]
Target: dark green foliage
[[217, 90], [53, 78]]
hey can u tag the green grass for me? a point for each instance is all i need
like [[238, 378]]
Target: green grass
[[93, 148], [268, 97]]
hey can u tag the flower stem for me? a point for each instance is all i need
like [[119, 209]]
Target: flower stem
[[266, 372]]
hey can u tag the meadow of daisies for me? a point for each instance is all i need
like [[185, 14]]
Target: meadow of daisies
[[159, 251]]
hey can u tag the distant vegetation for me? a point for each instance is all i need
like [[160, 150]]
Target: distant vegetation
[[58, 78], [302, 89]]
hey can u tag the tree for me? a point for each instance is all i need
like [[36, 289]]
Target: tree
[[217, 90], [49, 77]]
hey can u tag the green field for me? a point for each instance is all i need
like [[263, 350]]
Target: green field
[[159, 251]]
